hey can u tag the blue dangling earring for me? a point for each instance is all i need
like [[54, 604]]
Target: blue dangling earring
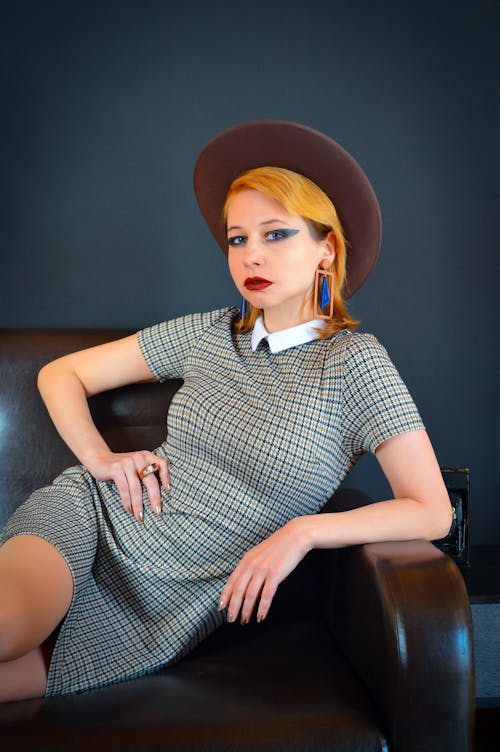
[[243, 308], [325, 292]]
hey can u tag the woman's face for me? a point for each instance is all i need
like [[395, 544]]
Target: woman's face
[[273, 258]]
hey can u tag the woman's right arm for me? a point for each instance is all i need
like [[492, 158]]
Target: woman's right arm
[[66, 383]]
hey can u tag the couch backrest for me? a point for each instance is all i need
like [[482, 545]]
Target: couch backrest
[[31, 451]]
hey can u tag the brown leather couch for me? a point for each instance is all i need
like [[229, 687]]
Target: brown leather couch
[[366, 649]]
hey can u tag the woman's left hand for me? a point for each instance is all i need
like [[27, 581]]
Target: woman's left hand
[[262, 568]]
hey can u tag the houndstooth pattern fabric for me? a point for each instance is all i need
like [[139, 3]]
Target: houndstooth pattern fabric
[[254, 439]]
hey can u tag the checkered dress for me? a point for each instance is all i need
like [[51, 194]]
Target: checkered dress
[[254, 439]]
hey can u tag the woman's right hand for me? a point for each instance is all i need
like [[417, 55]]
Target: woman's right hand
[[123, 469]]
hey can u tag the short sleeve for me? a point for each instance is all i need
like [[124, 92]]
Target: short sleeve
[[376, 402], [166, 346]]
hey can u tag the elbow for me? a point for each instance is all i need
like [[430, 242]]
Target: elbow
[[46, 376], [59, 375], [42, 377], [441, 522]]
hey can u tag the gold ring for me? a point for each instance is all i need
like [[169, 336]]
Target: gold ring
[[153, 467]]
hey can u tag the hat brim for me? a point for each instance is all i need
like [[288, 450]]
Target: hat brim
[[279, 143]]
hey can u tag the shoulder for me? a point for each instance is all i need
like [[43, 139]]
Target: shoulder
[[203, 320], [191, 325], [167, 346], [359, 359], [353, 348]]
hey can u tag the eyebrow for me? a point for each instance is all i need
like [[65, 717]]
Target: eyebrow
[[267, 222]]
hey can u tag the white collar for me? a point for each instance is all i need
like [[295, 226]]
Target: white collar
[[282, 340]]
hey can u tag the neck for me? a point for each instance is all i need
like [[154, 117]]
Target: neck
[[275, 320]]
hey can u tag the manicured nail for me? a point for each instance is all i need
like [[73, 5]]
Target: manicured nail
[[221, 606], [243, 621], [158, 509], [231, 616], [260, 618], [141, 516]]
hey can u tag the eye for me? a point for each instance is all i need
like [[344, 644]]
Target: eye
[[236, 240], [274, 235]]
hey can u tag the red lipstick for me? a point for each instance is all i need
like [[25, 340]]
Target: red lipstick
[[256, 283]]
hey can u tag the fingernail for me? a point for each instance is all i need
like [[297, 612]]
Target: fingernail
[[243, 621], [260, 618], [158, 509], [230, 616], [221, 605], [141, 516]]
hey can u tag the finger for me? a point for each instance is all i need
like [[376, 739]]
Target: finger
[[165, 474], [266, 598], [227, 592], [253, 591], [236, 598], [160, 465], [153, 491], [145, 467], [135, 490], [224, 598], [123, 488]]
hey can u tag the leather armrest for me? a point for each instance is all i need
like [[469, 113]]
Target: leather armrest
[[401, 614]]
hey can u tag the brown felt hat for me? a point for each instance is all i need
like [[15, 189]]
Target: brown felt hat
[[279, 143]]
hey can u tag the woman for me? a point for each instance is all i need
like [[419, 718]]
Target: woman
[[136, 557]]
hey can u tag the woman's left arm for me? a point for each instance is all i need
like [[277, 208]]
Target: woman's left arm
[[420, 509]]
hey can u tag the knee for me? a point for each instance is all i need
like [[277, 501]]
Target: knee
[[17, 636], [23, 678], [35, 594], [9, 631]]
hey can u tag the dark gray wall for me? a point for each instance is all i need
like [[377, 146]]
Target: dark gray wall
[[106, 104]]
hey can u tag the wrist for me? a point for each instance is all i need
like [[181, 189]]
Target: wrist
[[320, 532], [303, 531], [94, 456]]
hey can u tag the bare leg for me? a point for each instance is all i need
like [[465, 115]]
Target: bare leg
[[23, 678], [36, 588]]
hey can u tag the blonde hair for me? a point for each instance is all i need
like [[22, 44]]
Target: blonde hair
[[302, 197]]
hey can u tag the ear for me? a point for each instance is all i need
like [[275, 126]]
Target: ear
[[330, 247]]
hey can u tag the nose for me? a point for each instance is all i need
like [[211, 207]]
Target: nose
[[253, 254]]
